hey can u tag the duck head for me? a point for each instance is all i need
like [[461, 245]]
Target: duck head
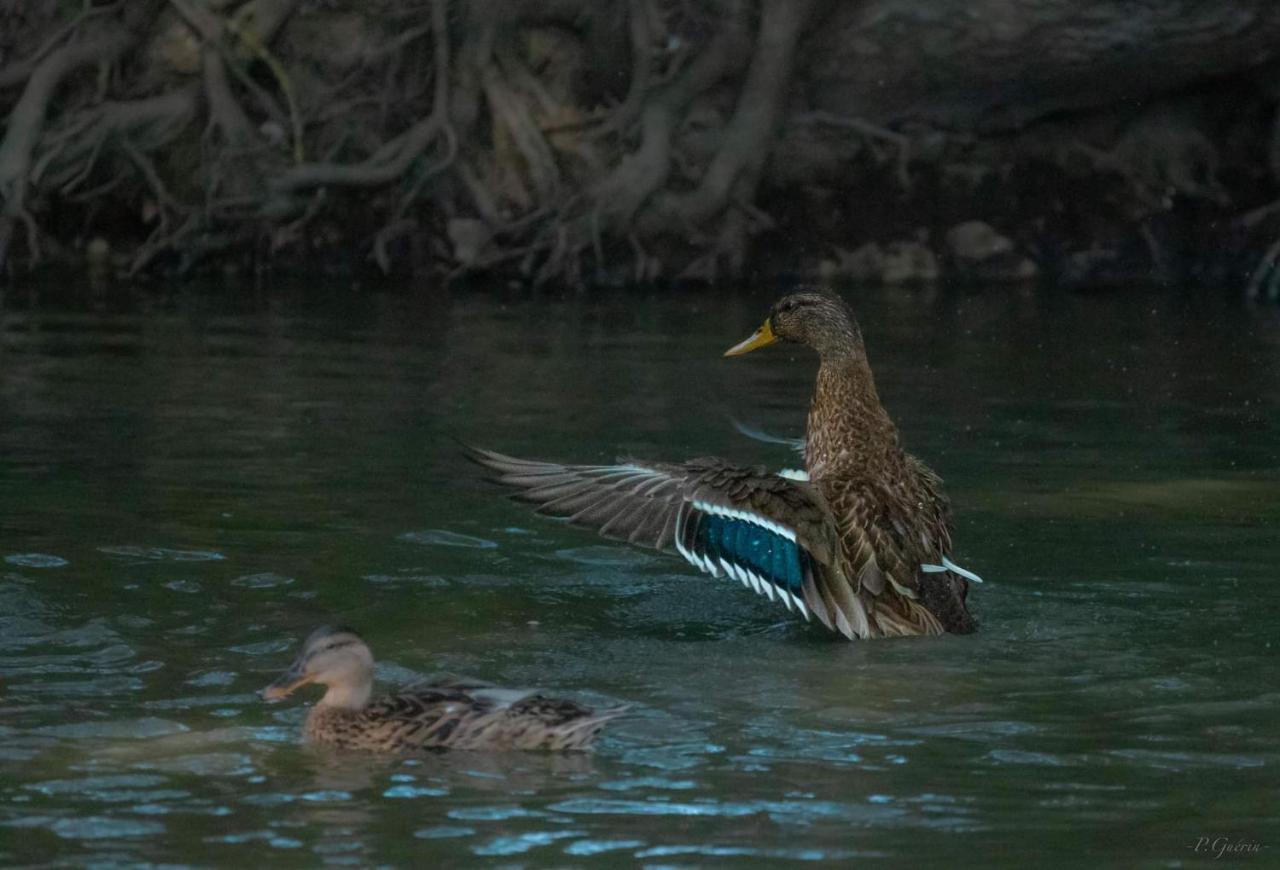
[[813, 317], [335, 658]]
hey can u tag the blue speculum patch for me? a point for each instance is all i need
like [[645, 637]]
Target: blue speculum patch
[[747, 545]]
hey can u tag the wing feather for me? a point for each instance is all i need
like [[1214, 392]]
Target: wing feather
[[774, 535]]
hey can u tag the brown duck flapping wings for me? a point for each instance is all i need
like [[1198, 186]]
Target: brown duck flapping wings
[[775, 535]]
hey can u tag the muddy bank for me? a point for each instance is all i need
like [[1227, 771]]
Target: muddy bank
[[578, 142]]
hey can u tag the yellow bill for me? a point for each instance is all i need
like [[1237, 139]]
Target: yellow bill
[[762, 337]]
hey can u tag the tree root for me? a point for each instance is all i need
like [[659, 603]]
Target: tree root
[[754, 120], [1264, 283], [477, 134], [27, 120], [641, 32], [18, 72], [619, 196], [532, 212], [394, 158], [872, 132]]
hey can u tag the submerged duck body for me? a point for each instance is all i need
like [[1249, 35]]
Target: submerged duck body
[[860, 541], [453, 713]]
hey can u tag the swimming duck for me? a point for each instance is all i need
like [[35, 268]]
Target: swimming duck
[[454, 713], [860, 540]]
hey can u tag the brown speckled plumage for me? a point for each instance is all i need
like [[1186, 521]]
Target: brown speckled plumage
[[887, 504], [445, 714], [456, 719], [867, 522]]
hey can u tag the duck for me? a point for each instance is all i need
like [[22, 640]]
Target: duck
[[444, 713], [858, 541]]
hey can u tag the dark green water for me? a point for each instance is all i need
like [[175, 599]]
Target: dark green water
[[190, 482]]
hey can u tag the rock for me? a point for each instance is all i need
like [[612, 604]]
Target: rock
[[976, 241], [909, 263], [1087, 268], [468, 237], [97, 252], [273, 132], [175, 48], [97, 261], [861, 264], [901, 262], [333, 39], [979, 253]]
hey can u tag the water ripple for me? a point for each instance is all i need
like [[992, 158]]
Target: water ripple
[[95, 784], [648, 782], [1188, 760], [134, 729], [36, 560], [266, 580], [602, 556], [271, 838], [104, 828], [204, 764], [263, 647], [599, 847], [493, 814], [521, 843], [162, 554], [413, 791], [747, 851], [444, 538], [431, 581], [442, 832]]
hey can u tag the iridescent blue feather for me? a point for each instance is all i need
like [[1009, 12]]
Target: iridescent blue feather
[[746, 545]]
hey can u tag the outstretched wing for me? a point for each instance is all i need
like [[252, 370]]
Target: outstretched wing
[[774, 535]]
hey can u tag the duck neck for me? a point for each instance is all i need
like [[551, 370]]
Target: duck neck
[[848, 426], [347, 696]]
